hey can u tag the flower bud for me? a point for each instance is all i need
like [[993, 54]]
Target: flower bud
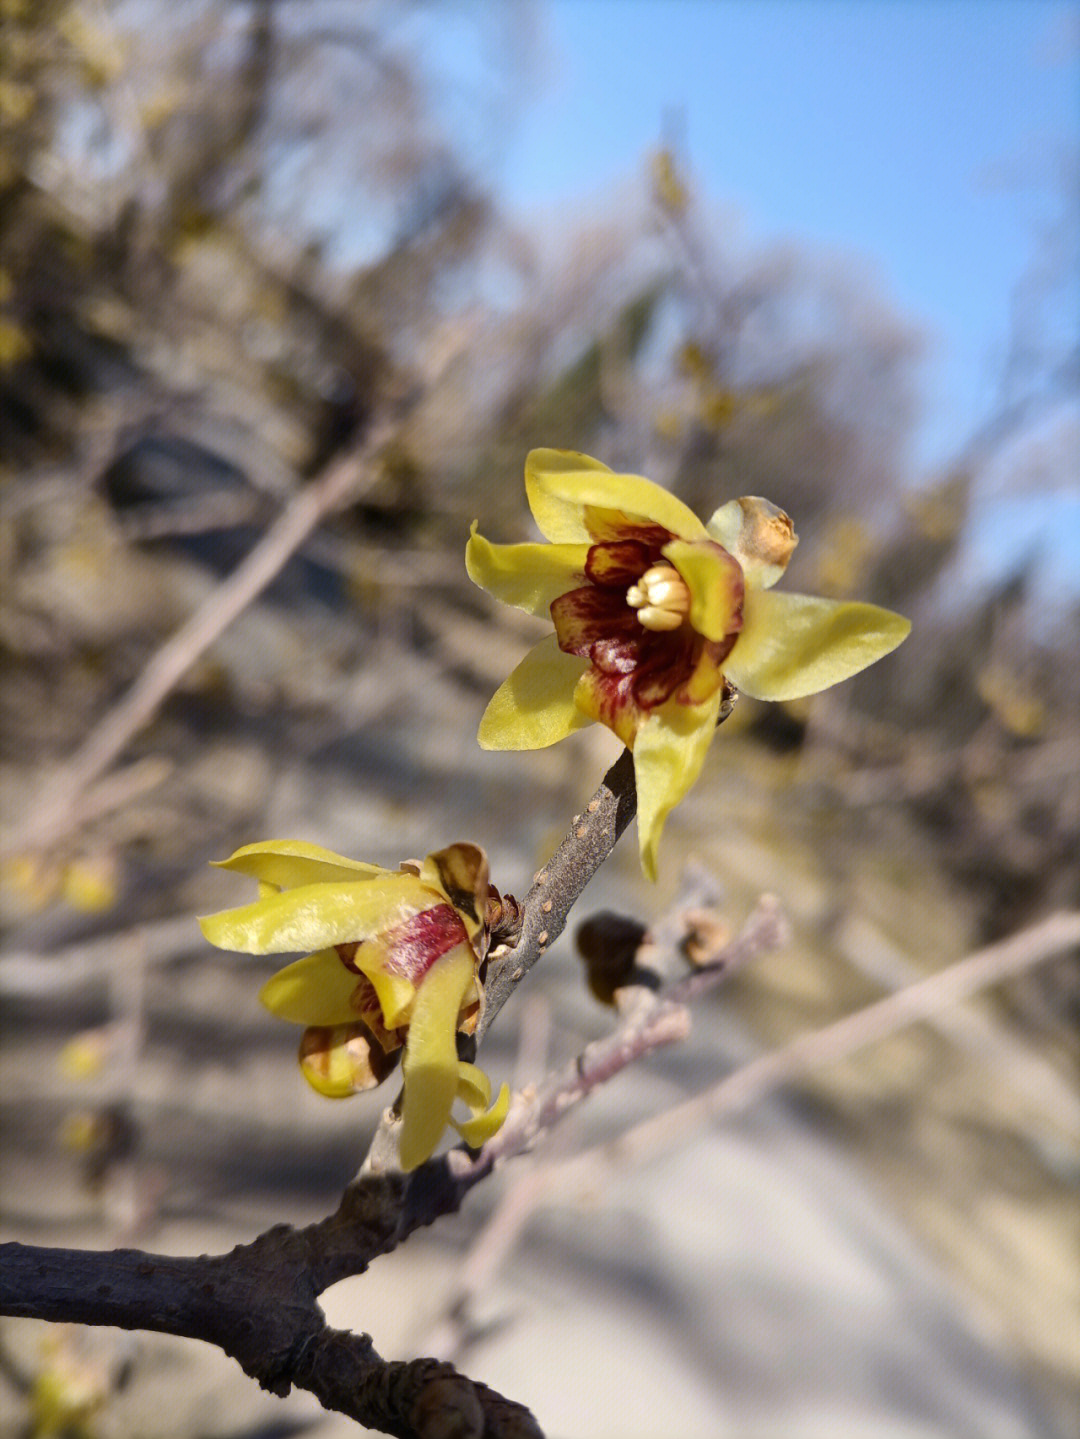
[[343, 1059]]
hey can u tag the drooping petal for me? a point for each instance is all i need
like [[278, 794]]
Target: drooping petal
[[315, 916], [535, 707], [526, 576], [286, 863], [474, 1089], [430, 1066], [715, 582], [759, 535], [315, 990], [669, 751], [561, 485], [795, 645], [461, 873]]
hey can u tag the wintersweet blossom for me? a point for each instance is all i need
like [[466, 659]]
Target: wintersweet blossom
[[652, 610], [396, 966]]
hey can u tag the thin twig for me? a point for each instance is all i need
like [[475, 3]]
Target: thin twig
[[771, 1072], [51, 816]]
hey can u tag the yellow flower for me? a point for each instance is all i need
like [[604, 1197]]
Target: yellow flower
[[396, 962], [652, 610]]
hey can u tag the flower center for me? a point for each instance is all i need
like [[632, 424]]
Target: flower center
[[660, 597]]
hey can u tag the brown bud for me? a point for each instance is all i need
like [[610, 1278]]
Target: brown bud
[[706, 932], [608, 943]]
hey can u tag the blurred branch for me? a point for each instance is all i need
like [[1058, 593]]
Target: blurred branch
[[924, 1000], [57, 809]]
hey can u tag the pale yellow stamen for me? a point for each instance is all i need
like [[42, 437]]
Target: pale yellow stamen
[[660, 597]]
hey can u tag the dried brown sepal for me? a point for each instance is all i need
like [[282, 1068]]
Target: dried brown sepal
[[608, 943], [504, 917]]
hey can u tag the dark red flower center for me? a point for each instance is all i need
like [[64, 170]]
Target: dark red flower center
[[637, 665]]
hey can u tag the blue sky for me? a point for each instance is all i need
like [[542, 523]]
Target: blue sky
[[918, 135], [925, 138]]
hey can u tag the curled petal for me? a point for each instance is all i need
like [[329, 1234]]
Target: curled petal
[[669, 750], [317, 990], [760, 536], [795, 645], [526, 576], [535, 707], [715, 582], [562, 485], [474, 1089], [315, 916], [430, 1066], [286, 863]]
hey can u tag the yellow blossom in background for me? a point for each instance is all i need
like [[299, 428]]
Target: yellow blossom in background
[[652, 610], [395, 967]]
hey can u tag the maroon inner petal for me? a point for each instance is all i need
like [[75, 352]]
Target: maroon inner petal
[[618, 525], [590, 615], [617, 563], [412, 947]]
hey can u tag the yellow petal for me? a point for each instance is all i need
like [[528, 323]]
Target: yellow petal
[[315, 990], [535, 707], [285, 863], [474, 1088], [558, 521], [561, 483], [527, 576], [760, 536], [315, 916], [715, 582], [669, 751], [394, 991], [430, 1066], [795, 645], [343, 1059]]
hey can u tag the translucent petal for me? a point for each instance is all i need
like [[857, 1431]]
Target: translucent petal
[[527, 576], [430, 1066], [315, 990], [759, 535], [286, 863], [535, 707], [669, 751], [715, 582], [795, 645], [315, 916], [561, 483], [474, 1087]]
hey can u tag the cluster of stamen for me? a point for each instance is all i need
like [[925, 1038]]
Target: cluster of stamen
[[661, 598]]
